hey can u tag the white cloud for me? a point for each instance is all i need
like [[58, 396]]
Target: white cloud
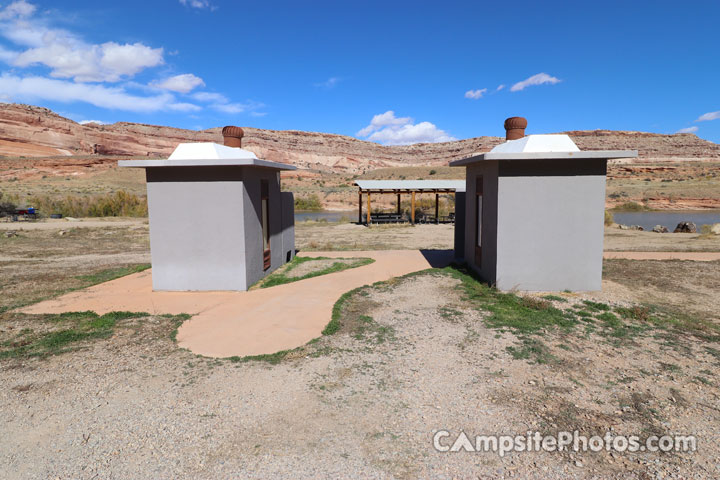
[[386, 119], [67, 55], [97, 122], [184, 83], [221, 103], [329, 83], [83, 72], [475, 94], [39, 88], [688, 130], [197, 4], [19, 9], [233, 108], [537, 79], [388, 129], [109, 62], [708, 116], [500, 87], [210, 97]]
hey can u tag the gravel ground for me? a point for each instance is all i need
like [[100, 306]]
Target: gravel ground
[[361, 403]]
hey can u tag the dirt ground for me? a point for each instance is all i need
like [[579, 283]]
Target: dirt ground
[[411, 357]]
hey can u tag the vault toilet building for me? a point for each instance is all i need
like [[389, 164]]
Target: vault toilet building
[[534, 212], [218, 220]]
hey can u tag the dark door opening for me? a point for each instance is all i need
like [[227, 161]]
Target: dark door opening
[[265, 220], [478, 219]]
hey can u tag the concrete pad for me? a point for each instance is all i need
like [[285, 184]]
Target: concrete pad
[[257, 322]]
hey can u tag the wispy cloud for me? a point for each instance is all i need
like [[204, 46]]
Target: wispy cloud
[[476, 94], [537, 79], [33, 88], [101, 75], [500, 87], [388, 129], [708, 116], [184, 83], [97, 122], [66, 54], [329, 83], [688, 130], [199, 4], [221, 103]]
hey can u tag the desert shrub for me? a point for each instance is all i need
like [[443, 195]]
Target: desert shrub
[[118, 204], [609, 220], [631, 207], [310, 202]]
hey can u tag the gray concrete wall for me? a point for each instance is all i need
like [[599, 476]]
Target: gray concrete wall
[[197, 237], [550, 225], [489, 171], [288, 225], [253, 226]]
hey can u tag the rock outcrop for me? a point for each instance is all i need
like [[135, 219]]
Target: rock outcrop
[[685, 227], [38, 132]]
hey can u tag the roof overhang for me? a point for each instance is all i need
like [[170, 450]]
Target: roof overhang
[[207, 154], [580, 155], [407, 186], [239, 162]]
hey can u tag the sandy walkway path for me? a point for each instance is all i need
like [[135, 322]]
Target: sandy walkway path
[[245, 323]]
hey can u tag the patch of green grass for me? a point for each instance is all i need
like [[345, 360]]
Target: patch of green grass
[[596, 306], [111, 274], [335, 320], [76, 327], [555, 298], [280, 278], [367, 329], [533, 350], [449, 313], [271, 358], [636, 312]]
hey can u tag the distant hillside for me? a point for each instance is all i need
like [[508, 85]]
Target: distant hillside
[[38, 132]]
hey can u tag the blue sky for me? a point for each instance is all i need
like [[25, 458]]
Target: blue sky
[[391, 72]]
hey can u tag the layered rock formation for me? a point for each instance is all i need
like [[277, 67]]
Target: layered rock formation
[[38, 132]]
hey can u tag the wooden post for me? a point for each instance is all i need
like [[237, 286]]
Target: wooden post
[[398, 206], [437, 208], [368, 208], [412, 208], [360, 206]]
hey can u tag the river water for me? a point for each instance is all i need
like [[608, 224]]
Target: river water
[[648, 220]]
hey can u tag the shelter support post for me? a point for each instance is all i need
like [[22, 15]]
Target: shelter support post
[[360, 206], [437, 208], [398, 205], [412, 208], [368, 209]]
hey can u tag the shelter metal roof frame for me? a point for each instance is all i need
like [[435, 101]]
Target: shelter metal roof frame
[[399, 187]]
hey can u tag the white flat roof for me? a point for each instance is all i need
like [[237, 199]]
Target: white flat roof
[[537, 143], [417, 185], [542, 147], [207, 154]]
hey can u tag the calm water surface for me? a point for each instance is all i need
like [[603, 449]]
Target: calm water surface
[[648, 220]]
